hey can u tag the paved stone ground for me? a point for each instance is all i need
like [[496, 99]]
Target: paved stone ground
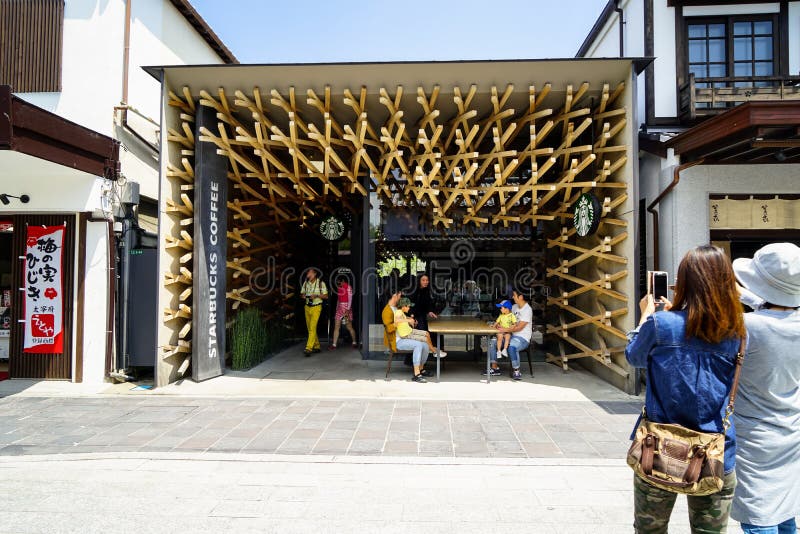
[[211, 492], [121, 464], [358, 427]]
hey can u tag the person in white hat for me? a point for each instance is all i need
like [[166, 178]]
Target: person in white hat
[[767, 417]]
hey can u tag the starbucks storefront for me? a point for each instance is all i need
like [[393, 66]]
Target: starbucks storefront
[[485, 176]]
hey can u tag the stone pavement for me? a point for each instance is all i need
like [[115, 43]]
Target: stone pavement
[[320, 445], [230, 493], [125, 463], [344, 374], [517, 429]]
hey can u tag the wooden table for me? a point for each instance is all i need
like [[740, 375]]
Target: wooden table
[[460, 324]]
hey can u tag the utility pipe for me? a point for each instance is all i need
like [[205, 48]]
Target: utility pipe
[[676, 177], [621, 15], [126, 52]]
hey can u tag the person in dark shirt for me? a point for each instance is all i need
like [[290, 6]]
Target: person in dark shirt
[[423, 302]]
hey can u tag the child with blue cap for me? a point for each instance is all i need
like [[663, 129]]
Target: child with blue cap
[[506, 319]]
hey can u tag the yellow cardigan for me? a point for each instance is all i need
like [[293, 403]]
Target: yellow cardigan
[[389, 328]]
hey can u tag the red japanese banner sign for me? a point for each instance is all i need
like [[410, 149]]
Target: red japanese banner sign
[[43, 284]]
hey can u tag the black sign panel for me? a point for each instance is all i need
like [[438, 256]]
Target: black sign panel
[[210, 252]]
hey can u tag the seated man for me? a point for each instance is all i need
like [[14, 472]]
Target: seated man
[[520, 336]]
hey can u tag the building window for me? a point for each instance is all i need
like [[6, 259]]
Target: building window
[[725, 47], [753, 48], [30, 44]]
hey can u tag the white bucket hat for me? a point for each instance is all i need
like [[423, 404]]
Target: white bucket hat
[[773, 274]]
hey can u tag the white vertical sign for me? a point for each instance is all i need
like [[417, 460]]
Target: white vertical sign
[[43, 284]]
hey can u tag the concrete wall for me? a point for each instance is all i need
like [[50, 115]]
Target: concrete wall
[[665, 84], [794, 38], [166, 366], [689, 227], [57, 189], [607, 43], [92, 70], [96, 294], [52, 187]]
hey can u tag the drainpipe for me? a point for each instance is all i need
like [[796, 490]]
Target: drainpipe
[[676, 177], [621, 15], [126, 52]]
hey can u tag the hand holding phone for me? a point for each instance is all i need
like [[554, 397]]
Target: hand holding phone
[[657, 286]]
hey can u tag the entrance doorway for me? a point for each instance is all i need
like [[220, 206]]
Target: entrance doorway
[[48, 366], [745, 243]]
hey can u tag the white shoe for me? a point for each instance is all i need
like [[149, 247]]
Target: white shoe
[[504, 353], [441, 354]]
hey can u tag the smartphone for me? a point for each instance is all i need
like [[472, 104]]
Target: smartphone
[[657, 284]]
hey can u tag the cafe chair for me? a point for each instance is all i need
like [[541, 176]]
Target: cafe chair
[[390, 354], [527, 351]]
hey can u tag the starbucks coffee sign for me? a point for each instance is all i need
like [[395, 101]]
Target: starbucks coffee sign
[[586, 214], [332, 228]]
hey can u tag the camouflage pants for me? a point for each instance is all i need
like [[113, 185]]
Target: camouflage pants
[[708, 514]]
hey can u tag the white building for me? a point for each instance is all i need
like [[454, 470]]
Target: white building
[[84, 119], [719, 142]]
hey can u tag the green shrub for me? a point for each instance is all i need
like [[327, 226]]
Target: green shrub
[[250, 339]]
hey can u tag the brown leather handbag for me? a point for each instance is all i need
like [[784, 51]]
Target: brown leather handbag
[[679, 459]]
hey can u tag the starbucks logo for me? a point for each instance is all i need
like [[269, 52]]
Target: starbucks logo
[[331, 228], [586, 214]]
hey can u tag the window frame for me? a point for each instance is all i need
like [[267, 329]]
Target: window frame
[[729, 21]]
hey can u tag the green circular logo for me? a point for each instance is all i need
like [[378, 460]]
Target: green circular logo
[[586, 214], [331, 228]]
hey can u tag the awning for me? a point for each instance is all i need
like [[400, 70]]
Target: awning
[[754, 132], [31, 130]]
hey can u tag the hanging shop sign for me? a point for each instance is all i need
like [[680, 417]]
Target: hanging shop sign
[[332, 228], [43, 284], [586, 214], [754, 213]]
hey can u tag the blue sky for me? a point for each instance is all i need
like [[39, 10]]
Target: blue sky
[[268, 31]]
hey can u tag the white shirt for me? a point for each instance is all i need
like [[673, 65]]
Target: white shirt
[[524, 314]]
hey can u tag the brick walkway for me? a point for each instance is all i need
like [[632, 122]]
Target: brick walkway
[[515, 429]]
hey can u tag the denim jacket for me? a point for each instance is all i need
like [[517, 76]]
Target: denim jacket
[[688, 380]]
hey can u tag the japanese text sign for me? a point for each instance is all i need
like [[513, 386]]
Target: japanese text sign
[[44, 302]]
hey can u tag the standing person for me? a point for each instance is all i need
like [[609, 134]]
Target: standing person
[[408, 338], [423, 302], [423, 307], [520, 336], [344, 312], [315, 293], [767, 415], [689, 351]]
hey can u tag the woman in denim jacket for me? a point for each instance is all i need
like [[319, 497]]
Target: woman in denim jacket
[[689, 351]]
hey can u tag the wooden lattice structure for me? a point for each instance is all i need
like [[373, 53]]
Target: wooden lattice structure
[[469, 155]]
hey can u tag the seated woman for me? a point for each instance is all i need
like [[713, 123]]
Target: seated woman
[[410, 339]]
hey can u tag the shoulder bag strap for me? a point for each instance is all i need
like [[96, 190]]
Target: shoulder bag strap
[[736, 373]]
